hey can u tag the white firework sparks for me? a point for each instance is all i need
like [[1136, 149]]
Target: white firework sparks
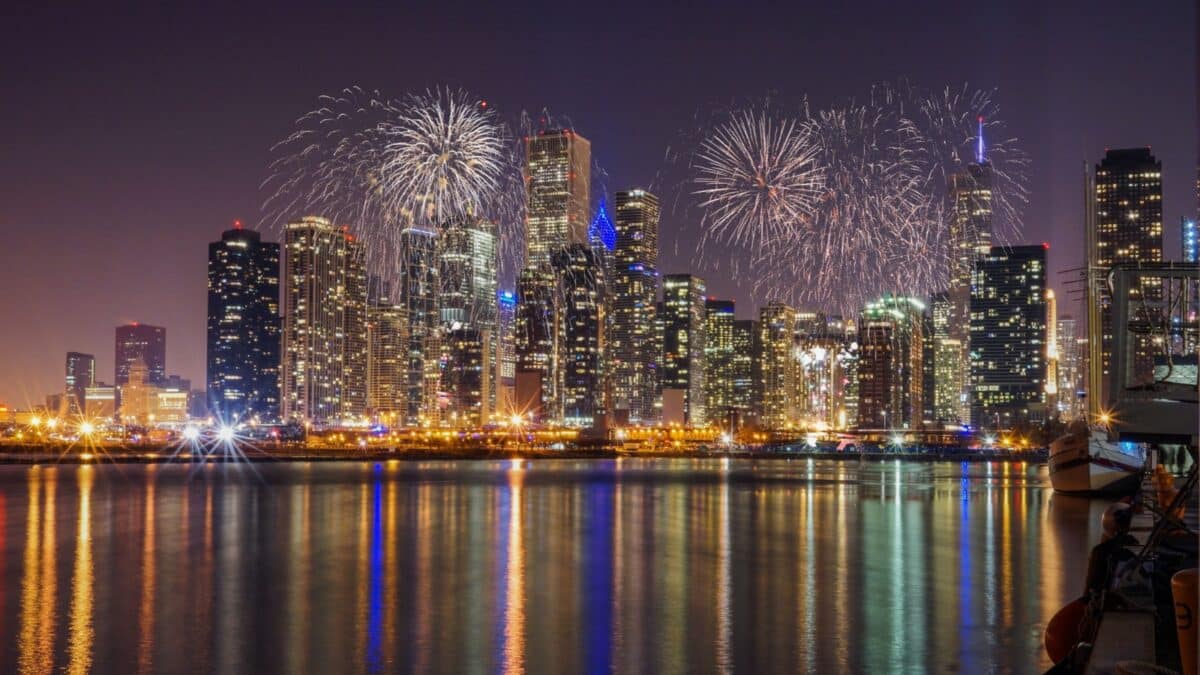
[[756, 176], [444, 158]]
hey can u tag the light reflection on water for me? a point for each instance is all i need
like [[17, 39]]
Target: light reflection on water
[[557, 566]]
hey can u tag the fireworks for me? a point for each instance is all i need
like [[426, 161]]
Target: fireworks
[[756, 176], [384, 165], [832, 207]]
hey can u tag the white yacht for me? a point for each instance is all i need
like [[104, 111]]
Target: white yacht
[[1085, 462]]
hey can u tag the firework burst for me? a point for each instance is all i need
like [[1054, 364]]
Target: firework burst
[[756, 176]]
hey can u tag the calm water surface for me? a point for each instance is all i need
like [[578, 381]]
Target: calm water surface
[[553, 566]]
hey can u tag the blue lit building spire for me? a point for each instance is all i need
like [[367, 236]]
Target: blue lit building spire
[[979, 142], [602, 229]]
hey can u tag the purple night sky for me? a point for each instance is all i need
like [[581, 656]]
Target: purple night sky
[[131, 139]]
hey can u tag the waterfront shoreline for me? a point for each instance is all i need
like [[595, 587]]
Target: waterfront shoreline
[[165, 455]]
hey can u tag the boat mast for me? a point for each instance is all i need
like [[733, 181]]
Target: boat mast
[[1092, 296]]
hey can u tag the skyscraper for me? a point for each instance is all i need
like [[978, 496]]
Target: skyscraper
[[1008, 337], [324, 334], [467, 260], [1051, 346], [970, 238], [948, 372], [139, 341], [683, 345], [1128, 222], [81, 374], [465, 378], [387, 356], [780, 372], [718, 361], [243, 326], [745, 374], [419, 287], [580, 278], [1070, 371], [889, 365], [558, 180], [535, 345], [634, 291]]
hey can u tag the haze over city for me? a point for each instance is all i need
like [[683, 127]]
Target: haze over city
[[133, 139]]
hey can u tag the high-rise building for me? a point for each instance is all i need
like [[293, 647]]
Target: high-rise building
[[243, 327], [718, 361], [506, 354], [387, 356], [465, 377], [889, 365], [821, 354], [1051, 355], [81, 374], [535, 345], [1128, 229], [419, 287], [324, 326], [970, 238], [1008, 337], [780, 372], [745, 395], [558, 183], [948, 373], [467, 259], [580, 278], [683, 345], [140, 341], [634, 292], [1070, 373]]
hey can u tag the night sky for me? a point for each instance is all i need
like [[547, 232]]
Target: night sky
[[128, 140]]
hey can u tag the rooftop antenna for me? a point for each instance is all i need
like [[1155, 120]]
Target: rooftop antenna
[[979, 142]]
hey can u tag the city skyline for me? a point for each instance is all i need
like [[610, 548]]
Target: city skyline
[[136, 247]]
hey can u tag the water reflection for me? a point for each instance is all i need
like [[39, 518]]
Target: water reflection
[[474, 567]]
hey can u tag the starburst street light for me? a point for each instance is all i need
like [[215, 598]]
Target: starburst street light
[[225, 434]]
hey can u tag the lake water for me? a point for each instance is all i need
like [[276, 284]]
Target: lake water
[[554, 566]]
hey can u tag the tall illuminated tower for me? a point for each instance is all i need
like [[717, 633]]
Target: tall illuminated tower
[[557, 192], [325, 323], [634, 291], [418, 297], [683, 345], [1128, 229], [141, 341], [243, 327], [81, 374], [719, 361], [387, 356], [467, 258], [890, 336], [1009, 337], [579, 272], [970, 238], [780, 372]]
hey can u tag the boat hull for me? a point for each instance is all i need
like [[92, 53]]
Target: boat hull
[[1082, 465]]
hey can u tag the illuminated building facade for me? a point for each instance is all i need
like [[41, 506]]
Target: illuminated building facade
[[81, 374], [1128, 221], [325, 323], [971, 226], [387, 357], [558, 183], [557, 192], [419, 286], [780, 373], [634, 292], [140, 341], [890, 363], [683, 344], [719, 376], [467, 259], [746, 391], [244, 328], [579, 273], [1051, 354], [1070, 371], [1008, 337], [821, 355], [466, 377], [535, 345], [948, 363]]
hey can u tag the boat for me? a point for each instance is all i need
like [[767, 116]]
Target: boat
[[1085, 462]]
